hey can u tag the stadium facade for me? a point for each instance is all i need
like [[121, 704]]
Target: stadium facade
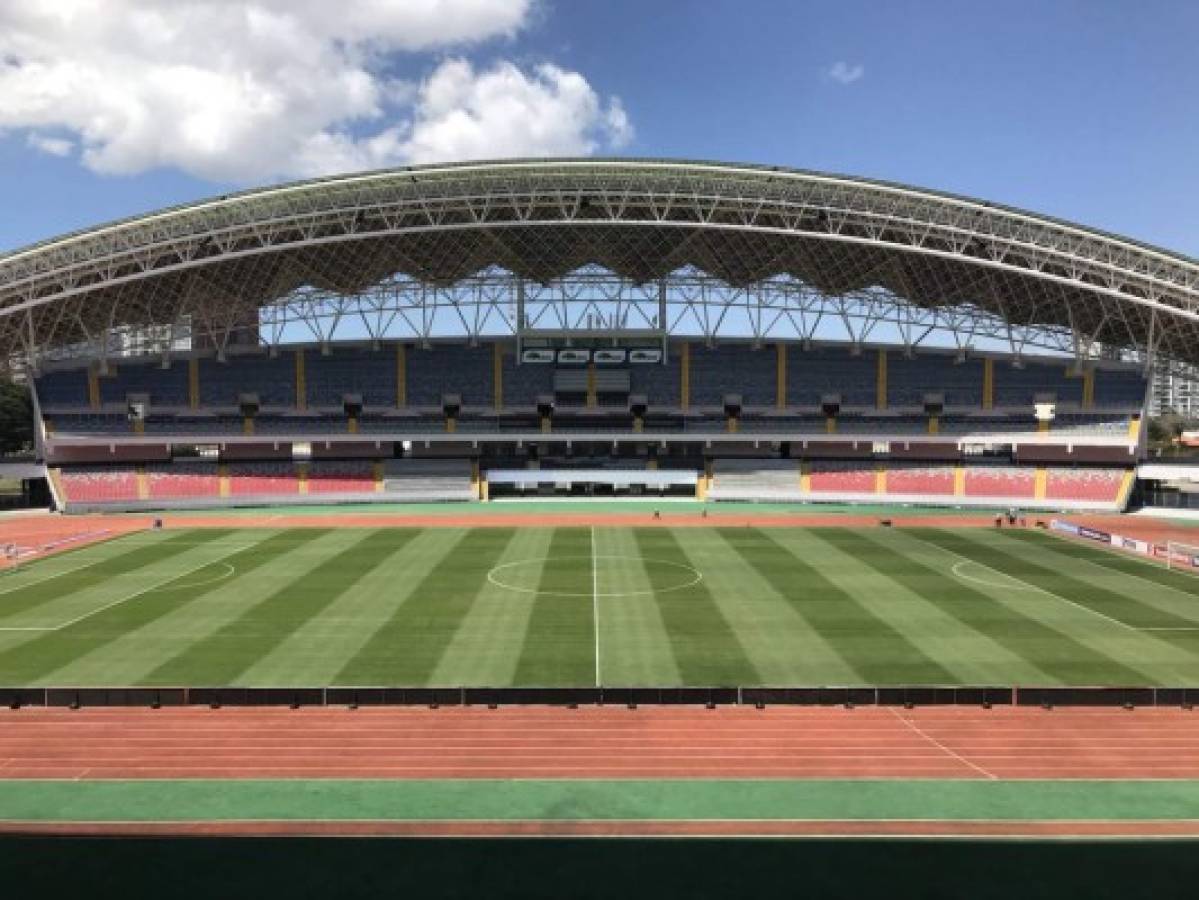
[[566, 326]]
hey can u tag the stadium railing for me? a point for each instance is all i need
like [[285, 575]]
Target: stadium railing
[[912, 695]]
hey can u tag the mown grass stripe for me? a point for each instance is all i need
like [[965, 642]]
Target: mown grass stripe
[[223, 655], [23, 599], [1121, 607], [706, 649], [28, 662], [1113, 560], [1050, 650], [869, 645], [559, 645], [405, 650]]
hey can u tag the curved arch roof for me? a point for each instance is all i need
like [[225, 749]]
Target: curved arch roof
[[642, 219]]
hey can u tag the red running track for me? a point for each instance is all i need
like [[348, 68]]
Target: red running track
[[598, 742]]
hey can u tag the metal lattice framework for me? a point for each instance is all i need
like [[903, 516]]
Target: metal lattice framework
[[601, 246]]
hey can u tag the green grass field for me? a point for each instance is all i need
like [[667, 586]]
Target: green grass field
[[576, 606]]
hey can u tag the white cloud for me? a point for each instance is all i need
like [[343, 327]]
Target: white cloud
[[845, 73], [52, 145], [247, 90]]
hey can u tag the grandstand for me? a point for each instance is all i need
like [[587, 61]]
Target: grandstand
[[780, 336]]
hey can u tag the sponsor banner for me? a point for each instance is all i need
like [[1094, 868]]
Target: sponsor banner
[[610, 357], [537, 356], [645, 356], [1134, 545], [574, 356], [1067, 527], [1094, 535]]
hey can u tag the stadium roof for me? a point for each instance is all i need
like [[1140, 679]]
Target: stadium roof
[[217, 263]]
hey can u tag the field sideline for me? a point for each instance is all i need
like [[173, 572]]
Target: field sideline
[[575, 606]]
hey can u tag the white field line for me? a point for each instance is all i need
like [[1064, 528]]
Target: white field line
[[595, 604], [1027, 585], [125, 599], [932, 740], [26, 584]]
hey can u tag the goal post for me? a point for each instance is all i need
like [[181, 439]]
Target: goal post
[[1182, 557]]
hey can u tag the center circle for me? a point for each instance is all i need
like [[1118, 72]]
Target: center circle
[[523, 575]]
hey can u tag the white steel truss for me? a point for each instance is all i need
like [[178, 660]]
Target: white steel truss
[[599, 246]]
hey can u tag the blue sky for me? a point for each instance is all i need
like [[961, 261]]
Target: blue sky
[[1084, 110]]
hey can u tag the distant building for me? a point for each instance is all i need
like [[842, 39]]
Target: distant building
[[1175, 391]]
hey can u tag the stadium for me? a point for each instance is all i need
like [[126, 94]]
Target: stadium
[[554, 438]]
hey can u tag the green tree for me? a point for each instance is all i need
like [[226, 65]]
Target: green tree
[[16, 417]]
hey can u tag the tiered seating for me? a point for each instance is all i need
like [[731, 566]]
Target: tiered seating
[[923, 480], [831, 370], [350, 477], [89, 423], [882, 425], [1018, 387], [661, 383], [1120, 387], [428, 479], [908, 380], [62, 388], [755, 479], [1091, 423], [273, 379], [99, 485], [166, 387], [733, 369], [1000, 481], [447, 369], [843, 476], [524, 383], [1084, 484], [180, 481], [254, 478], [351, 370]]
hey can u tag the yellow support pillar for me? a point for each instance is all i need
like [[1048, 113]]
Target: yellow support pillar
[[988, 383], [378, 473], [592, 399], [934, 425], [474, 479], [497, 375], [1043, 426], [651, 465], [143, 483], [301, 382], [401, 376], [222, 480], [193, 383], [302, 477], [1134, 428], [638, 424], [880, 478], [1088, 388], [545, 424], [451, 424], [731, 425], [780, 376], [959, 480], [830, 424], [93, 387], [1126, 483], [352, 425], [1040, 479], [880, 397], [805, 477], [247, 425], [685, 377], [139, 426]]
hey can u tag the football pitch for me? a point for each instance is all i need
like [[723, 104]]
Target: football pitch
[[578, 606]]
